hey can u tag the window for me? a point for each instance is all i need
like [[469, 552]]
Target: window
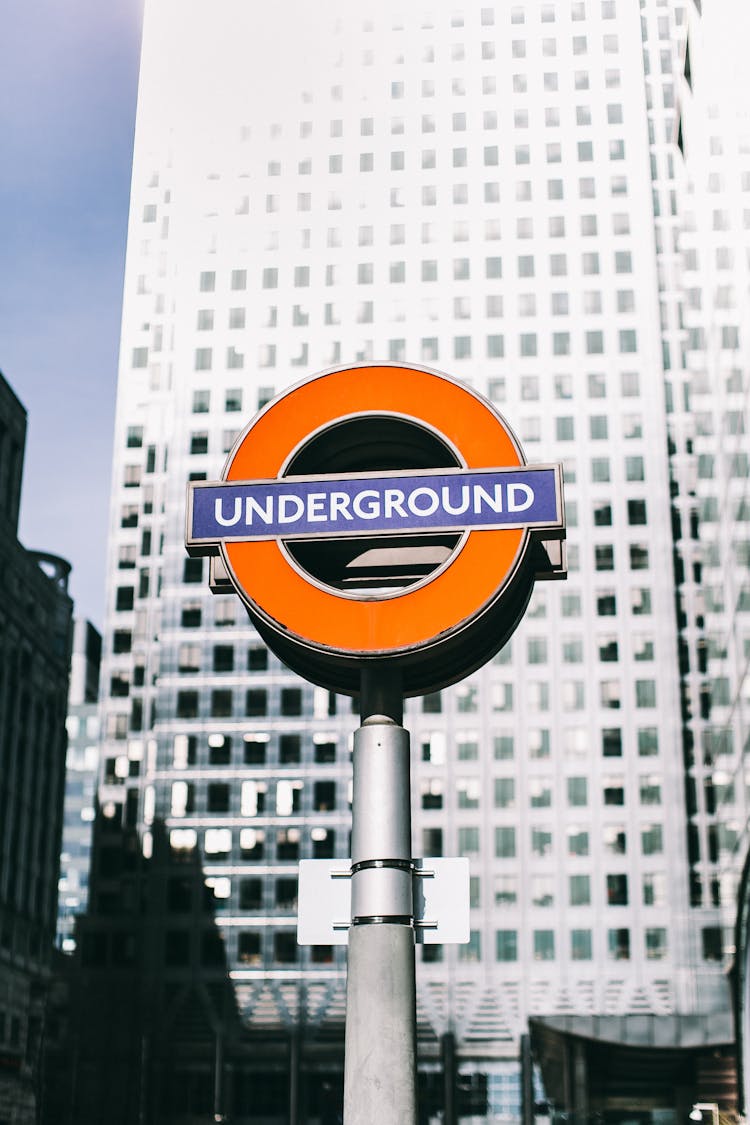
[[617, 890], [604, 557], [468, 841], [505, 793], [539, 743], [287, 844], [542, 890], [544, 945], [645, 693], [540, 793], [506, 945], [577, 791], [654, 889], [256, 702], [638, 556], [579, 890], [223, 658], [290, 749], [580, 945], [541, 841], [712, 943], [652, 842], [656, 943], [221, 703], [217, 797], [291, 701], [650, 789], [505, 842], [503, 747], [618, 944], [558, 265]]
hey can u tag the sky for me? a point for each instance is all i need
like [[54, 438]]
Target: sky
[[68, 88]]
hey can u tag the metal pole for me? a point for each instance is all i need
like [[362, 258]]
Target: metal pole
[[448, 1051], [380, 1068]]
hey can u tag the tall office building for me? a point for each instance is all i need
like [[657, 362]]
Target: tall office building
[[82, 762], [35, 634], [715, 141], [491, 190]]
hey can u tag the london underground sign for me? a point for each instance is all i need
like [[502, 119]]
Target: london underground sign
[[380, 512]]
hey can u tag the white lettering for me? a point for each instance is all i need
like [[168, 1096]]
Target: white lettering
[[494, 502], [284, 502], [340, 506], [316, 511], [219, 512], [373, 509], [513, 504], [464, 500], [252, 505], [394, 502], [433, 501]]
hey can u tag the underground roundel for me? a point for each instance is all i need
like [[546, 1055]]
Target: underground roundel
[[380, 513]]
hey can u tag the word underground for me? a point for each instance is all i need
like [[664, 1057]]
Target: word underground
[[291, 507]]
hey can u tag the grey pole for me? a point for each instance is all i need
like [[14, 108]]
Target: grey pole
[[380, 1066]]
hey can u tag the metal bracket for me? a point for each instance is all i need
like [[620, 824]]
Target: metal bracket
[[441, 901]]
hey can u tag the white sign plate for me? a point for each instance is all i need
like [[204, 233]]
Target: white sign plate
[[441, 901]]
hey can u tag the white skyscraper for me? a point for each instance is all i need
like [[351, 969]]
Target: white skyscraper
[[492, 191], [715, 242]]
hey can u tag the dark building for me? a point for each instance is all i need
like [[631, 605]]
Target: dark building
[[35, 636], [80, 782]]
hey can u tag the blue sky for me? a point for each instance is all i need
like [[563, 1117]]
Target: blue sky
[[68, 89]]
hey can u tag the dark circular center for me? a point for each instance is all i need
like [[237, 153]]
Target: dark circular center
[[374, 564]]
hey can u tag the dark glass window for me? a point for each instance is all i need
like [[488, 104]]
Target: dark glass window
[[325, 752], [286, 894], [324, 796], [256, 701], [217, 797], [290, 749], [257, 659], [612, 742], [249, 947], [187, 704], [192, 570], [291, 701], [122, 640], [251, 894], [223, 658], [285, 947], [125, 597], [221, 703], [617, 890]]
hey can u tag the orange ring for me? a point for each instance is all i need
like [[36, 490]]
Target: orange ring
[[458, 593]]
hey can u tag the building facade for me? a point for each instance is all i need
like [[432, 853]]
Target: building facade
[[493, 191], [715, 142], [82, 769], [35, 627]]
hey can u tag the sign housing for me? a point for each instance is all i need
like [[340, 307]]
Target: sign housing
[[380, 513]]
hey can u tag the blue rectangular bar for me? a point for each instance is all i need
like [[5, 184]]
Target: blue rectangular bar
[[406, 503]]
